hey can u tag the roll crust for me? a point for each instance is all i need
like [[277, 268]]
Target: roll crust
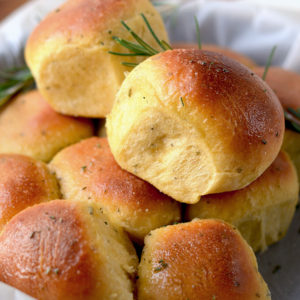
[[68, 52], [248, 62], [203, 259], [29, 126], [23, 182], [63, 250], [200, 122], [128, 201], [262, 211]]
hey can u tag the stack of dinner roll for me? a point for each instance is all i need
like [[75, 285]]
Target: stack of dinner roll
[[193, 176]]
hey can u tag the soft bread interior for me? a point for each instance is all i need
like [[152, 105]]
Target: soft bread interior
[[64, 93], [67, 250], [174, 154], [267, 226], [261, 211], [78, 76], [169, 128], [127, 200], [169, 146], [113, 252]]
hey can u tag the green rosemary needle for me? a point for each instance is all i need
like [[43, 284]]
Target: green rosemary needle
[[14, 81], [141, 48], [198, 33], [163, 44], [128, 64], [269, 62]]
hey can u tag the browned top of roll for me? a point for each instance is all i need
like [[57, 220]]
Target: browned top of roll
[[204, 259], [28, 125], [23, 183], [67, 250], [132, 202], [101, 174], [41, 118], [82, 19], [285, 84], [54, 252], [233, 99], [225, 51]]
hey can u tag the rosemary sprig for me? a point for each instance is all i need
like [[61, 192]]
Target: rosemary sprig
[[141, 48], [198, 33], [142, 43], [269, 62], [14, 81], [163, 44]]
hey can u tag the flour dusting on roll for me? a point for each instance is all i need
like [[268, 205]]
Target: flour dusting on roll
[[195, 122]]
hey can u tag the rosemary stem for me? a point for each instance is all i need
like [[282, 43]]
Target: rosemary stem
[[269, 61]]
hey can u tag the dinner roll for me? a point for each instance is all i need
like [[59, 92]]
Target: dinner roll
[[23, 183], [28, 125], [128, 201], [243, 59], [286, 85], [262, 211], [68, 52], [195, 122], [67, 250], [203, 259]]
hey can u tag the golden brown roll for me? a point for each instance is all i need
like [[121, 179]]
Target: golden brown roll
[[203, 259], [29, 126], [23, 183], [286, 85], [68, 52], [262, 211], [243, 59], [195, 122], [87, 170], [67, 250]]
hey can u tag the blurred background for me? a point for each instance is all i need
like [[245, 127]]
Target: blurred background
[[7, 6]]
